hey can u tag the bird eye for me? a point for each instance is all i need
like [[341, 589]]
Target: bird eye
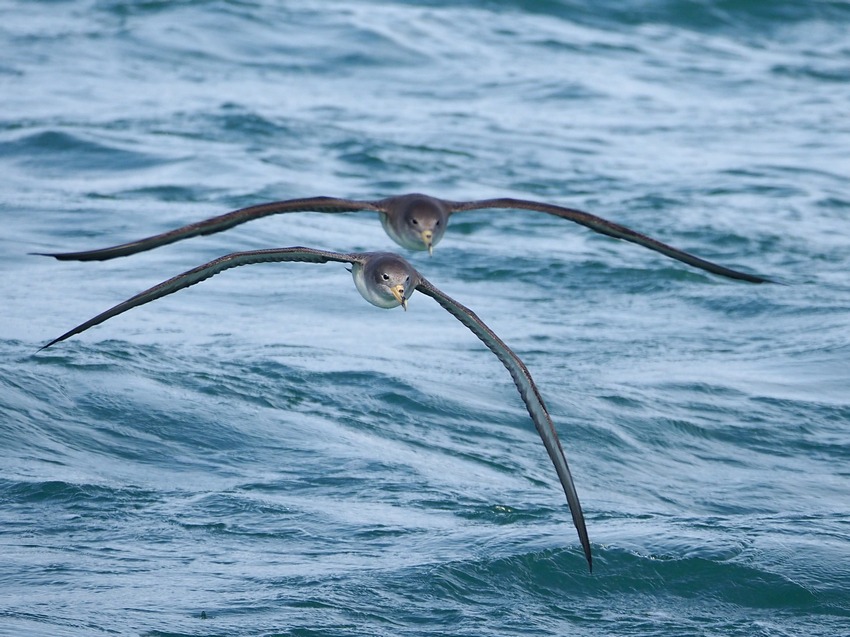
[[415, 222], [438, 223], [385, 276]]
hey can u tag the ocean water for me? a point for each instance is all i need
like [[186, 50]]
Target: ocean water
[[268, 454]]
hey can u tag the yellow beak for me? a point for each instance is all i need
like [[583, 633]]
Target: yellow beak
[[398, 293], [428, 240]]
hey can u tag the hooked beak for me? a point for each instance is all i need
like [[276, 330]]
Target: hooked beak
[[398, 293], [428, 240]]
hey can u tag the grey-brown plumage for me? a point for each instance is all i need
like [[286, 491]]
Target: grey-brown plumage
[[414, 221], [385, 280]]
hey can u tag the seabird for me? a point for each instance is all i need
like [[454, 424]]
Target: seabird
[[414, 221], [387, 281]]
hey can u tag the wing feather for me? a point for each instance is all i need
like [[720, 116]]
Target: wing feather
[[217, 224], [603, 226], [530, 395], [207, 270]]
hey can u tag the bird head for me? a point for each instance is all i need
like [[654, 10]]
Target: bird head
[[386, 280], [416, 222]]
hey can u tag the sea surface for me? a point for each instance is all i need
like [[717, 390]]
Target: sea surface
[[268, 454]]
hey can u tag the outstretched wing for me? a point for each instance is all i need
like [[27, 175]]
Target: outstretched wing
[[530, 395], [603, 226], [202, 272], [217, 224]]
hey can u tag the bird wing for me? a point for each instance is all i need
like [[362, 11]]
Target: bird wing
[[603, 226], [217, 224], [207, 270], [530, 395]]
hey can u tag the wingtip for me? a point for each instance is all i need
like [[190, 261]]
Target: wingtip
[[65, 256], [93, 255], [775, 281], [759, 279], [44, 347]]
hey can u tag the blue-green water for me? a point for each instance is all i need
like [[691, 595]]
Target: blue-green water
[[267, 454]]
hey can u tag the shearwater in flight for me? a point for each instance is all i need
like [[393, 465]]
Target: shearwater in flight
[[387, 281], [414, 221]]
